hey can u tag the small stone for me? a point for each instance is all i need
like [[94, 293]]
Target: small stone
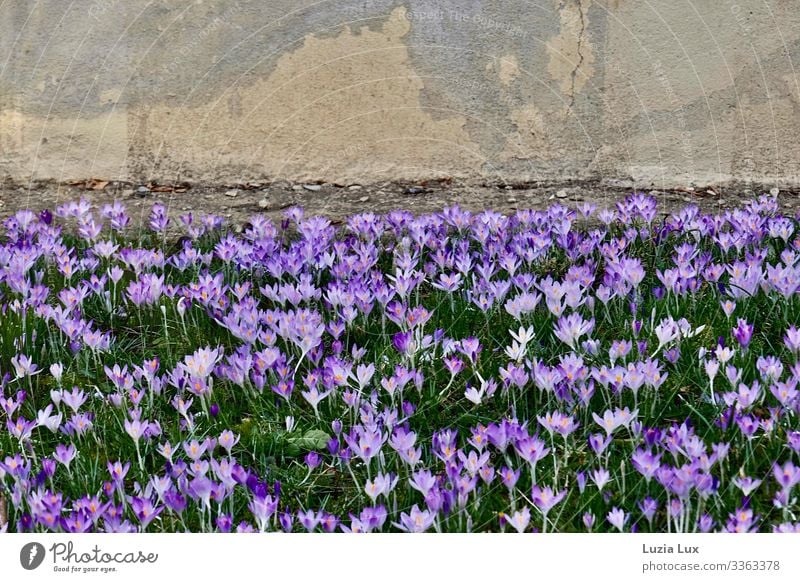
[[354, 187], [297, 187], [232, 193], [312, 187], [142, 190], [380, 193], [561, 194], [263, 203], [364, 199], [775, 191], [128, 192], [512, 200]]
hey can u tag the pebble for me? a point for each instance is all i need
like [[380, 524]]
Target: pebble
[[142, 190], [127, 193], [263, 203], [512, 200], [561, 194], [364, 199], [775, 191], [312, 187], [297, 187], [354, 187], [232, 193]]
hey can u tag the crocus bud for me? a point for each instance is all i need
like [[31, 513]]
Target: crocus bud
[[313, 460], [57, 370], [588, 520]]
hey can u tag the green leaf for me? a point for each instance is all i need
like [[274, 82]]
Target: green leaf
[[311, 440]]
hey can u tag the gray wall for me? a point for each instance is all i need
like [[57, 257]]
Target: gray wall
[[661, 92]]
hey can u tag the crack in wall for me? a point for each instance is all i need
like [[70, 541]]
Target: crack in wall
[[574, 74], [570, 51]]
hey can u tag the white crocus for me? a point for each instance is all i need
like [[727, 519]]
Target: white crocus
[[524, 336], [516, 351], [474, 395]]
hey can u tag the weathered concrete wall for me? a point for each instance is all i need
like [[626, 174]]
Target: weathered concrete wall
[[662, 92]]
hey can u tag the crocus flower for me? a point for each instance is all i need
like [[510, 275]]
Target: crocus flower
[[787, 475], [570, 329], [743, 332], [417, 521], [792, 339], [617, 518], [65, 453], [561, 423], [519, 520], [545, 499], [201, 363]]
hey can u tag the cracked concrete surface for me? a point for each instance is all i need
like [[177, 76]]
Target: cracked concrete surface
[[567, 50], [656, 94]]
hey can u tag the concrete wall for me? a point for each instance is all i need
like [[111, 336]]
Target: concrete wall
[[662, 92]]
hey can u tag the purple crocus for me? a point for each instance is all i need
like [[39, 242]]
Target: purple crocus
[[545, 499], [519, 520], [417, 520], [743, 332], [617, 517]]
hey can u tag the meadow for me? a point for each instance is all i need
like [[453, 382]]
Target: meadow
[[569, 370]]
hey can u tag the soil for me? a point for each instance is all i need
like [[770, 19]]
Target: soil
[[237, 202]]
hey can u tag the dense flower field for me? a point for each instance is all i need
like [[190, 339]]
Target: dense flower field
[[568, 370]]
